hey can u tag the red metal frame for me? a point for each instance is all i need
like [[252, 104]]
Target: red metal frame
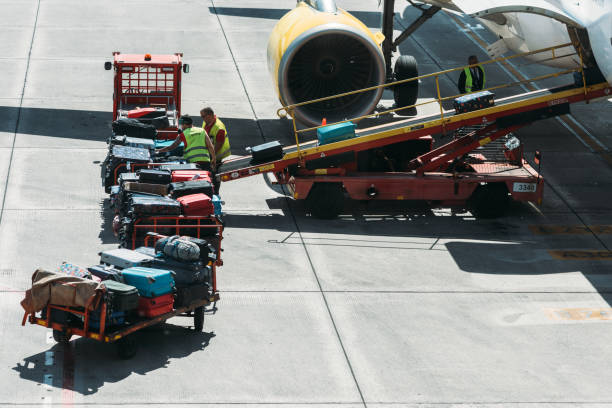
[[148, 82]]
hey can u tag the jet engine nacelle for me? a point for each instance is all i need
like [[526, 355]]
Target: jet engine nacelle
[[317, 50]]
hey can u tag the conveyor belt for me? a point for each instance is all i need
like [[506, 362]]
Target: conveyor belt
[[414, 128]]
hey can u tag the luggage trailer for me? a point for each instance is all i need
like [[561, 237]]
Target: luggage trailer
[[126, 345], [455, 173], [148, 81]]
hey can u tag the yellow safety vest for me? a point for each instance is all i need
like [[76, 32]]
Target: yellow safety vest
[[468, 78], [196, 150], [224, 151]]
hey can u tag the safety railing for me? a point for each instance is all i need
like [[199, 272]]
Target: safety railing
[[439, 99]]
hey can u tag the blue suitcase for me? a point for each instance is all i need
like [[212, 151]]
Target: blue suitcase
[[160, 144], [113, 319], [475, 101], [335, 133], [150, 282]]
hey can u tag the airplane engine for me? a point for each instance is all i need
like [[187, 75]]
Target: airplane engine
[[317, 50]]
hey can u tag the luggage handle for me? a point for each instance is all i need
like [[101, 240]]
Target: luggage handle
[[151, 279]]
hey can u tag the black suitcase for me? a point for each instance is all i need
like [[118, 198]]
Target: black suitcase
[[185, 273], [145, 204], [267, 152], [106, 272], [475, 101], [186, 295], [119, 155], [160, 122], [120, 297], [134, 128], [183, 188], [154, 176]]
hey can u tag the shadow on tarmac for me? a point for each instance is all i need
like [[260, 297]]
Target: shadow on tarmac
[[89, 364]]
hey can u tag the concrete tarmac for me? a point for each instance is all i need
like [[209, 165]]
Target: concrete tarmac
[[390, 305]]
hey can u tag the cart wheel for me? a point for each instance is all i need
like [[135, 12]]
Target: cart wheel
[[489, 201], [198, 318], [325, 200], [406, 94], [61, 336], [126, 347]]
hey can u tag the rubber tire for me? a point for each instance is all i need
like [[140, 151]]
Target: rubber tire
[[126, 347], [325, 200], [489, 201], [198, 319], [61, 336], [406, 94]]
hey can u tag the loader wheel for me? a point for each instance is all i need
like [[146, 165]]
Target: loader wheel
[[61, 336], [198, 319], [489, 201], [126, 347], [406, 94], [325, 200]]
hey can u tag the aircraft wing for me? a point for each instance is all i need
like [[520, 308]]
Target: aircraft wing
[[484, 9]]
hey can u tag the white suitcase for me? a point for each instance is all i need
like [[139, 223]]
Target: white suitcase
[[122, 258]]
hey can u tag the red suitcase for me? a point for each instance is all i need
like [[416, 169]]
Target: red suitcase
[[151, 307], [196, 204], [187, 175], [146, 113]]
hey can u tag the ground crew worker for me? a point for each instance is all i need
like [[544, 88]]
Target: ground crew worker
[[472, 79], [218, 136], [198, 147]]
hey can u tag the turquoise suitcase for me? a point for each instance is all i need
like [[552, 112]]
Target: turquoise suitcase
[[150, 282], [335, 133], [160, 144]]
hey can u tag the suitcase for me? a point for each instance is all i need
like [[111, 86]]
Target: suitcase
[[208, 252], [127, 177], [186, 295], [143, 205], [218, 205], [157, 189], [146, 113], [155, 176], [475, 101], [183, 188], [147, 251], [124, 258], [112, 320], [150, 282], [106, 272], [179, 249], [134, 128], [139, 142], [155, 306], [120, 297], [160, 144], [179, 166], [196, 204], [184, 273], [119, 155], [267, 152], [159, 122], [335, 133], [188, 175]]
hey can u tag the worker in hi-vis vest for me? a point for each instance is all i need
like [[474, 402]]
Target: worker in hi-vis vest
[[218, 136], [472, 79], [198, 147]]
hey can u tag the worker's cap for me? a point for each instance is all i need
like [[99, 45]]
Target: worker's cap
[[185, 120]]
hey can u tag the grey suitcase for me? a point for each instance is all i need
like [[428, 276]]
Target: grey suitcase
[[122, 258], [139, 142]]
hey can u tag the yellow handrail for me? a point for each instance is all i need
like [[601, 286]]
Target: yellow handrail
[[289, 109]]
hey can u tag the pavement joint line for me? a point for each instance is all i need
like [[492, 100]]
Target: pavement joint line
[[246, 91], [18, 120], [568, 121], [608, 158], [331, 316]]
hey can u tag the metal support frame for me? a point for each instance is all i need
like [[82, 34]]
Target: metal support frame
[[389, 45]]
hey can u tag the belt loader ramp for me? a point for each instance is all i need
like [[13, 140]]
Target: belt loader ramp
[[456, 173]]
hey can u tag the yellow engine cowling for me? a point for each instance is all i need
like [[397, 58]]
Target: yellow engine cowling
[[317, 50]]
